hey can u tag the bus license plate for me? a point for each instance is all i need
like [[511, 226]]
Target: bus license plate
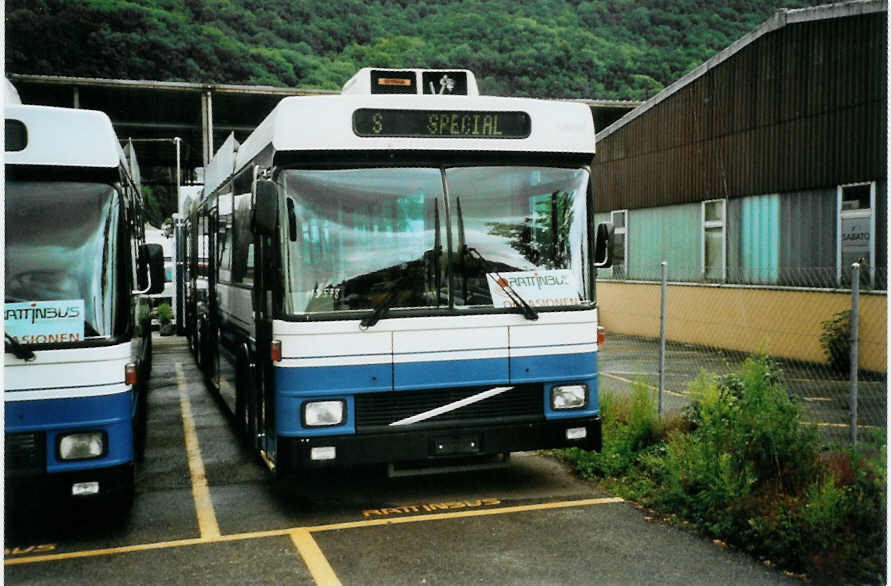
[[455, 445]]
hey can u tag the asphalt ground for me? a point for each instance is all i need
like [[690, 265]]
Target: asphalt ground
[[207, 512]]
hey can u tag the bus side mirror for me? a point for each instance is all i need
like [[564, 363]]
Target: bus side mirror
[[265, 207], [603, 246], [150, 270]]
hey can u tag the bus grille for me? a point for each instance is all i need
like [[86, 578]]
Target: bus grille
[[379, 410], [24, 453]]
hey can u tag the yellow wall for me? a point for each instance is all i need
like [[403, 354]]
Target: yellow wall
[[780, 323]]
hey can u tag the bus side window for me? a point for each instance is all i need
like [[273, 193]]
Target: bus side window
[[242, 240]]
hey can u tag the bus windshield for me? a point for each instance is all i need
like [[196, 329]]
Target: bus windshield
[[353, 238], [61, 250]]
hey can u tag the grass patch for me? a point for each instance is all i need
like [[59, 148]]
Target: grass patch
[[741, 465]]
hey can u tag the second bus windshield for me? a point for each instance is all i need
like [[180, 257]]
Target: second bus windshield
[[353, 237]]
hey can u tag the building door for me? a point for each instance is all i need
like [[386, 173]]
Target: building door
[[856, 233]]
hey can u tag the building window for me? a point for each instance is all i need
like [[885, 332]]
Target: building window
[[714, 249], [619, 219], [856, 233]]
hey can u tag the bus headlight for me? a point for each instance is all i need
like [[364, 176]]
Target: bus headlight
[[569, 397], [82, 446], [323, 413]]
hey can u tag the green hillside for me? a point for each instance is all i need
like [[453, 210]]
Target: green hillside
[[606, 49]]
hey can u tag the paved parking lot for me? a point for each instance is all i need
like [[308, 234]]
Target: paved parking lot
[[206, 512]]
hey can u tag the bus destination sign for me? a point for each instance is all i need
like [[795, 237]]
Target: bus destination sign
[[441, 123]]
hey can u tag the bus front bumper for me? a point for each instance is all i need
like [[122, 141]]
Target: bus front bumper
[[27, 491], [431, 444]]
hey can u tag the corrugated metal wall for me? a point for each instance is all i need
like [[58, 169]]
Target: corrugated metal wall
[[759, 260], [808, 241], [669, 234], [803, 107]]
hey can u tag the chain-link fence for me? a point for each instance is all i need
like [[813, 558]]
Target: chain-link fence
[[716, 326]]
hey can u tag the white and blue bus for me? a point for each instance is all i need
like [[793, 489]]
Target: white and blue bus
[[76, 311], [403, 274]]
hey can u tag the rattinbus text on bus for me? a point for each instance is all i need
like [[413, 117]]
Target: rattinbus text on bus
[[76, 311], [401, 274]]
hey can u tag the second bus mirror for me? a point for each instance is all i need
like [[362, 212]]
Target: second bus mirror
[[150, 269], [265, 207], [603, 246]]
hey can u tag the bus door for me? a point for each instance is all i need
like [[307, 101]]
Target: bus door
[[208, 326], [265, 262], [226, 312]]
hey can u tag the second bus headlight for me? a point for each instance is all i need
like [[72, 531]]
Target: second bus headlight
[[323, 413], [569, 397], [82, 446]]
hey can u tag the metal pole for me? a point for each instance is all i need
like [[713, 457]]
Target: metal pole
[[178, 246], [207, 125], [177, 141], [664, 265], [855, 336]]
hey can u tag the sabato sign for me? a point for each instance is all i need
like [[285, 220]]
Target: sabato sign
[[45, 322], [538, 288]]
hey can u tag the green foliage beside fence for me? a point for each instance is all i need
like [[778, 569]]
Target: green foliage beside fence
[[836, 341], [742, 466]]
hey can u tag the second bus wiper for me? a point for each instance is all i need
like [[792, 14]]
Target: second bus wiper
[[14, 347], [528, 312]]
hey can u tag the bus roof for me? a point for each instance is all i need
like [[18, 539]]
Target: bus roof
[[63, 137], [345, 122], [222, 165]]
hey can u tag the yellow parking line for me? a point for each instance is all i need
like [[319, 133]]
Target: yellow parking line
[[207, 520], [859, 425], [309, 529], [631, 382], [315, 560]]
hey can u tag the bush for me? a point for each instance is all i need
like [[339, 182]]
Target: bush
[[165, 314], [836, 341], [744, 467]]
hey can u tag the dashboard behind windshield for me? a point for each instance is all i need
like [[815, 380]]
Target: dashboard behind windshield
[[433, 238]]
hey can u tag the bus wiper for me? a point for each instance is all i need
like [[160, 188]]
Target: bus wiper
[[464, 250], [383, 306], [528, 312], [14, 347]]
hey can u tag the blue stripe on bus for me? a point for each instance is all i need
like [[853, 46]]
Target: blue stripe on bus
[[109, 413], [560, 367], [323, 380], [449, 373]]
